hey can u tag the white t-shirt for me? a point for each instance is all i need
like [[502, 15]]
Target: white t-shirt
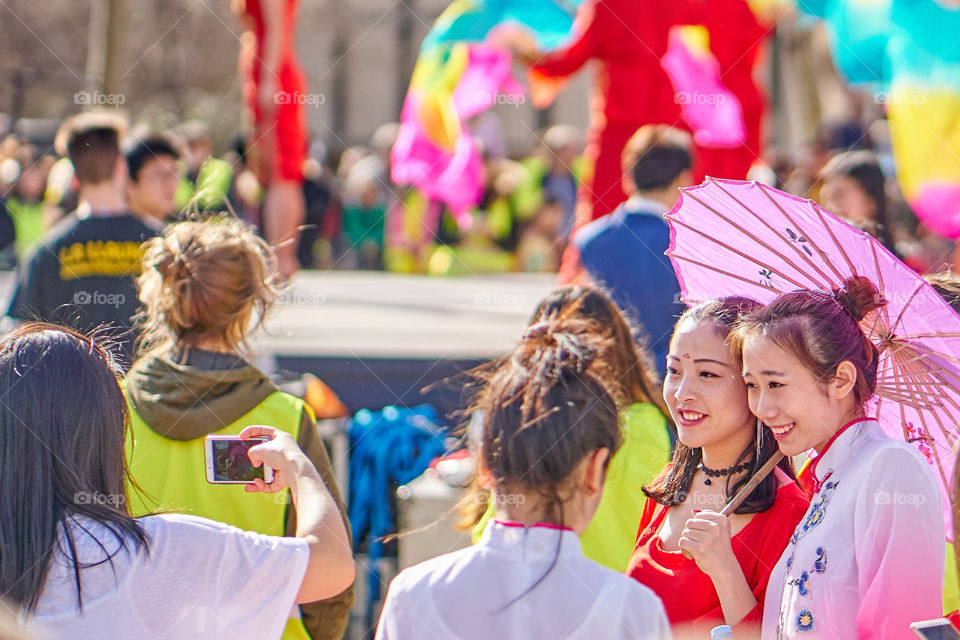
[[199, 579], [464, 595]]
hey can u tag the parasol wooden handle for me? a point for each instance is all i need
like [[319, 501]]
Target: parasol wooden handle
[[747, 489]]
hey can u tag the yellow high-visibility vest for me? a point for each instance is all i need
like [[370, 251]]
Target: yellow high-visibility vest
[[172, 476]]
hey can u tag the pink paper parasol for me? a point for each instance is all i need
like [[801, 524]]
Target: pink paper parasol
[[730, 237]]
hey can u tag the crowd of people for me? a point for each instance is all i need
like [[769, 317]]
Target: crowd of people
[[610, 439], [355, 217]]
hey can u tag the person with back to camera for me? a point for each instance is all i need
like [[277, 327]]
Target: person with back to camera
[[202, 285], [76, 564], [82, 272], [644, 425], [549, 429], [867, 559], [720, 447], [623, 251]]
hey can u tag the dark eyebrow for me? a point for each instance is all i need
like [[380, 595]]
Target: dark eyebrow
[[699, 360], [766, 372]]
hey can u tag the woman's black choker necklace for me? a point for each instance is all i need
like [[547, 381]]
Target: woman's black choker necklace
[[719, 473]]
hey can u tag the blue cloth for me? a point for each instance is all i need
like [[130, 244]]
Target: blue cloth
[[549, 22], [387, 448], [624, 253]]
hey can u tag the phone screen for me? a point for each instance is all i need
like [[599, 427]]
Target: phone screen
[[935, 630], [231, 462]]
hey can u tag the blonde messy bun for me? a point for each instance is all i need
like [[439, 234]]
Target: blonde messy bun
[[202, 282]]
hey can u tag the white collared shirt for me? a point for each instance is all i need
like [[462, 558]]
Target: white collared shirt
[[467, 594], [867, 559], [637, 203]]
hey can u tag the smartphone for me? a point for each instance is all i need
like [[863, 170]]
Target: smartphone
[[939, 629], [228, 462]]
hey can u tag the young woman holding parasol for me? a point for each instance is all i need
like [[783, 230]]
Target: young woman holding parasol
[[868, 557], [712, 568]]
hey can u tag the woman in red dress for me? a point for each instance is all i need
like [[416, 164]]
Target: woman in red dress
[[721, 445], [275, 95]]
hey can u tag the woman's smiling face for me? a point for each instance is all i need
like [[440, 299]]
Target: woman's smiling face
[[786, 396], [703, 389]]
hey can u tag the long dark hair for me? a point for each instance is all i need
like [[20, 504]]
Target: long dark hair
[[623, 363], [63, 420], [672, 486]]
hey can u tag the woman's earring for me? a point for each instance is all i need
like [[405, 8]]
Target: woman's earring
[[759, 438]]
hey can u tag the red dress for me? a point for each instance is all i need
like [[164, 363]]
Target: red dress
[[282, 138], [688, 594]]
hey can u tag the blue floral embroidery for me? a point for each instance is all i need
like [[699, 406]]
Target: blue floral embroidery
[[805, 620], [816, 514], [817, 511], [820, 564]]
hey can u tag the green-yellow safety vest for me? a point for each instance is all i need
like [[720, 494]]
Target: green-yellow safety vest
[[172, 476]]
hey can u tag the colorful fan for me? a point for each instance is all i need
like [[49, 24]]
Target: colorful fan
[[460, 73]]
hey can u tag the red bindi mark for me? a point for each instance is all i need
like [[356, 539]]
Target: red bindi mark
[[686, 356]]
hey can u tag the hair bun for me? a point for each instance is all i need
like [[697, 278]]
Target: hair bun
[[540, 332], [859, 296], [564, 346]]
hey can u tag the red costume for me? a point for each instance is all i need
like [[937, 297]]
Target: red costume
[[280, 136], [735, 40], [628, 39], [688, 594]]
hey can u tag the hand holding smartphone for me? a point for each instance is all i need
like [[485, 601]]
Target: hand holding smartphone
[[228, 460]]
